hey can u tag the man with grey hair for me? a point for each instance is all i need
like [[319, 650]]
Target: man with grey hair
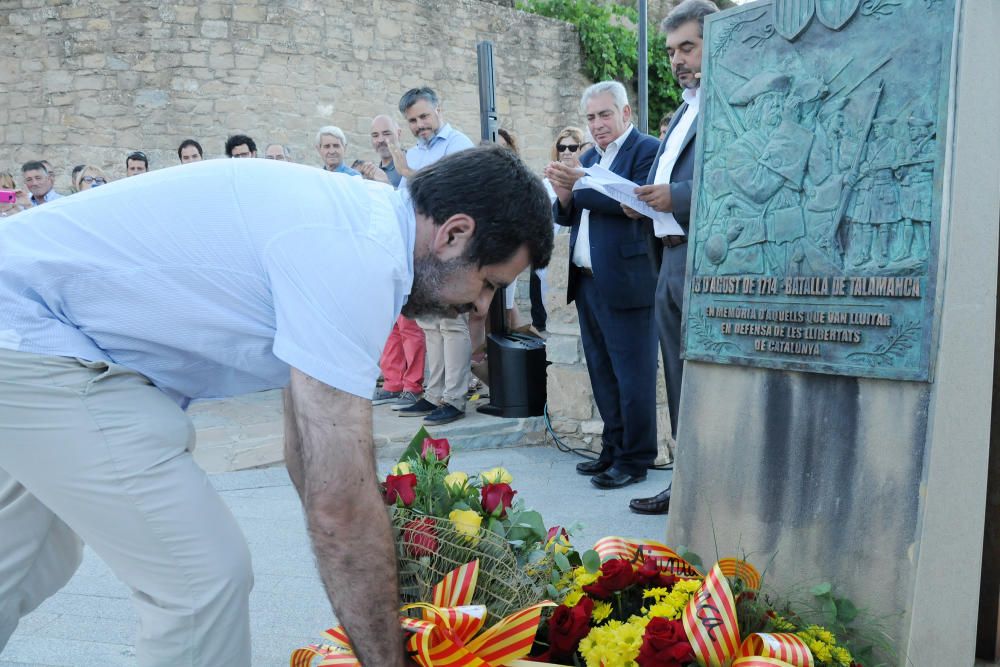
[[331, 144], [449, 348], [383, 131], [610, 280], [668, 190]]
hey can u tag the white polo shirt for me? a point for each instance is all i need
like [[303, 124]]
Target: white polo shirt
[[210, 280]]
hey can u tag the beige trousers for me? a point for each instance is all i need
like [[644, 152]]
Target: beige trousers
[[449, 354], [93, 452]]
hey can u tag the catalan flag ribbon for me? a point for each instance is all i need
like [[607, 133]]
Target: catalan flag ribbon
[[711, 627], [444, 635]]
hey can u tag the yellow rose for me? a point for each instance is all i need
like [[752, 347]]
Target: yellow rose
[[401, 468], [456, 481], [467, 523], [496, 476]]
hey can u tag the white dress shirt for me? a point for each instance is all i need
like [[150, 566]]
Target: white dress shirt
[[672, 151], [581, 251]]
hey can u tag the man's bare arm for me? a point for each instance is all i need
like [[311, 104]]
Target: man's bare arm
[[293, 444], [346, 518]]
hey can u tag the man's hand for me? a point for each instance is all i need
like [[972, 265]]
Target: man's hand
[[372, 173], [562, 179], [330, 432], [399, 158], [632, 213], [657, 196]]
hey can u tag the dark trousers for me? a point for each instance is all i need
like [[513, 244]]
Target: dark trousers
[[538, 314], [620, 347], [668, 310]]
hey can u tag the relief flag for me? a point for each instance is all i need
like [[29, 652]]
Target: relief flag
[[791, 17], [835, 14]]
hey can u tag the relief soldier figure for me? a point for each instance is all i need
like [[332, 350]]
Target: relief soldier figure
[[875, 210], [916, 191]]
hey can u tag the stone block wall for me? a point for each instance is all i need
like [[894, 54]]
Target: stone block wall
[[89, 81]]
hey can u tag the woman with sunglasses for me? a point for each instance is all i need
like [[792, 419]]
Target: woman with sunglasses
[[569, 145], [90, 177]]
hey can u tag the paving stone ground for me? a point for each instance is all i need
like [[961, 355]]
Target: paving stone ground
[[91, 623]]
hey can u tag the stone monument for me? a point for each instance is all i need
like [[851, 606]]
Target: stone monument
[[839, 318]]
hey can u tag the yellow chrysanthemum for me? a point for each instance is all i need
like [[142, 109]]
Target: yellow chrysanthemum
[[614, 644], [782, 624], [842, 656], [573, 598], [655, 593], [601, 611]]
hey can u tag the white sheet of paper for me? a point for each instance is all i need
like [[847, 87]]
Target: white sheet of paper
[[622, 190]]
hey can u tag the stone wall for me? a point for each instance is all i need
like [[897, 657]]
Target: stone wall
[[89, 81]]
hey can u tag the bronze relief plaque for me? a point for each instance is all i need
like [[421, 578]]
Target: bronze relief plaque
[[816, 225]]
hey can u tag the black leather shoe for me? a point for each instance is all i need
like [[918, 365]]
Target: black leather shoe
[[592, 467], [658, 504], [613, 478]]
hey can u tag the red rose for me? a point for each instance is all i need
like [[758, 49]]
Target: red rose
[[497, 499], [567, 627], [420, 537], [437, 446], [616, 575], [401, 487], [651, 574], [665, 644]]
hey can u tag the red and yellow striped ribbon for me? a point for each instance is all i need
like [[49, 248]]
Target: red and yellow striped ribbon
[[670, 561], [444, 636], [711, 627]]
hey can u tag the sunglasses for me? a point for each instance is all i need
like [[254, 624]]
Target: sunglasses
[[93, 179], [572, 148]]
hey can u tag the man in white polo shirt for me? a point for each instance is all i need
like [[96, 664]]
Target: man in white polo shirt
[[120, 305]]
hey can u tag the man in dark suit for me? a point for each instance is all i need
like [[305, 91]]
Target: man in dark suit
[[668, 190], [610, 280]]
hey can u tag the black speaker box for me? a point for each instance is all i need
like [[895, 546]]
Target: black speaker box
[[516, 375]]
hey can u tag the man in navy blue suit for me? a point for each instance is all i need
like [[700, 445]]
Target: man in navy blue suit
[[610, 280], [668, 190]]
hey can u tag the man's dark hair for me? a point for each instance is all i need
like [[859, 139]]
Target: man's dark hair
[[34, 165], [192, 142], [667, 117], [237, 140], [689, 10], [414, 95], [492, 186], [137, 156], [511, 141]]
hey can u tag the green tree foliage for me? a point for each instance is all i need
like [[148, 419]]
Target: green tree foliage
[[609, 38]]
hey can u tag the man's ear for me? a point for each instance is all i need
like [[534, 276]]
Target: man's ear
[[452, 238]]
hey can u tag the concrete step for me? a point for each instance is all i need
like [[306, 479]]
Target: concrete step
[[246, 431]]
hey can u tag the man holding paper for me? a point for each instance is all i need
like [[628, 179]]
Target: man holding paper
[[610, 280], [668, 191]]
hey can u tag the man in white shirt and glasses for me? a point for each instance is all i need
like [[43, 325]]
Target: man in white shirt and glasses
[[668, 190], [112, 322]]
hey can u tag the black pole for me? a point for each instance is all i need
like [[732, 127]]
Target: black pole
[[488, 132], [643, 69]]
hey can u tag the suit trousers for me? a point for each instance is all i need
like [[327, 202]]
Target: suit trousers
[[449, 354], [93, 452], [620, 348], [402, 362], [669, 309]]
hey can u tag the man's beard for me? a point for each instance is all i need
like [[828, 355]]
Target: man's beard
[[430, 275]]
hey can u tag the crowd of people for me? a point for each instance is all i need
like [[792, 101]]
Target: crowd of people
[[113, 322]]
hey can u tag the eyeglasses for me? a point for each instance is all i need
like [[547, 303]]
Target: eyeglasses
[[572, 148], [94, 179]]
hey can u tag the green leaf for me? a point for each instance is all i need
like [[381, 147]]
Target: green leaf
[[552, 591], [829, 608], [562, 562], [690, 557], [533, 520], [497, 527], [591, 561], [846, 611], [821, 590], [412, 451]]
